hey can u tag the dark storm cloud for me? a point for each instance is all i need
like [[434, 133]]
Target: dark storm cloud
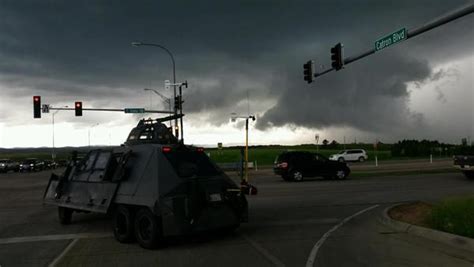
[[81, 49], [371, 96]]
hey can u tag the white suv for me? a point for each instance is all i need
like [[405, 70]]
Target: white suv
[[350, 155]]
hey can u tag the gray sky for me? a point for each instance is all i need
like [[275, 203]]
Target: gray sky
[[80, 50]]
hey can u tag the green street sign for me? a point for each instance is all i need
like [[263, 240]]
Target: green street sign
[[134, 110], [391, 39]]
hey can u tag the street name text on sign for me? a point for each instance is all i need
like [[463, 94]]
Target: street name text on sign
[[391, 39], [134, 110]]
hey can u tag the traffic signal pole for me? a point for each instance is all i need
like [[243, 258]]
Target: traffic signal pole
[[456, 14], [115, 109]]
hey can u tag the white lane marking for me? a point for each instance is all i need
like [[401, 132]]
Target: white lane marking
[[24, 239], [314, 251], [264, 252], [65, 251]]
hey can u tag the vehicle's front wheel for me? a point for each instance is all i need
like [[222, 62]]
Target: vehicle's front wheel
[[361, 159], [297, 176], [147, 228], [341, 174], [64, 215], [123, 224], [341, 159]]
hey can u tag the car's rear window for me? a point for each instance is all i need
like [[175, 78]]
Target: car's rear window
[[191, 163]]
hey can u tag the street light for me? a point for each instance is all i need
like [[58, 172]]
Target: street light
[[165, 99], [53, 154], [174, 76], [89, 132], [234, 117]]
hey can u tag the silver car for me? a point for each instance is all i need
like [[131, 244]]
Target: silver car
[[350, 155]]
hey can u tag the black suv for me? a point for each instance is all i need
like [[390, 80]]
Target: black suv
[[293, 166]]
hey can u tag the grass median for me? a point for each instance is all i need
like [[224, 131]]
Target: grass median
[[453, 215]]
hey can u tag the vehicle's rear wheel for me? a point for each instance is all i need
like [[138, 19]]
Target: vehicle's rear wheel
[[341, 175], [297, 176], [469, 175], [147, 228], [123, 224], [361, 159], [341, 159], [64, 215]]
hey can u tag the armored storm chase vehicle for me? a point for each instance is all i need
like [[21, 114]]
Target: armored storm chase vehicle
[[153, 185]]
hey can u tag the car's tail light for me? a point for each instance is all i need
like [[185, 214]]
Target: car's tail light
[[200, 149], [283, 165], [166, 149]]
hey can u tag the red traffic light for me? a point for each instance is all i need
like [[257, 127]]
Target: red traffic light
[[36, 106], [78, 108]]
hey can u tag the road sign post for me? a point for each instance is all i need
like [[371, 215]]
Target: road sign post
[[391, 39]]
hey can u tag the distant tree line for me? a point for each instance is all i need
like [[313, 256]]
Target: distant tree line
[[416, 148]]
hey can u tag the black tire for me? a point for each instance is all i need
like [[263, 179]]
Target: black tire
[[341, 159], [469, 175], [296, 176], [64, 215], [340, 175], [148, 230], [361, 159], [124, 224]]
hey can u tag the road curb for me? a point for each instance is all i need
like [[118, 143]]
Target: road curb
[[456, 241]]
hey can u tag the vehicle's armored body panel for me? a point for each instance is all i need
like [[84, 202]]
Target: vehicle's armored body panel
[[153, 189]]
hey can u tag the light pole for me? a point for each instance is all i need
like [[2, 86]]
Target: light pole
[[234, 117], [53, 154], [89, 132], [174, 77], [165, 99], [317, 142]]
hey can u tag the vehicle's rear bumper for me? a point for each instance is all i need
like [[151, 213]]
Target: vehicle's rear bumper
[[464, 167]]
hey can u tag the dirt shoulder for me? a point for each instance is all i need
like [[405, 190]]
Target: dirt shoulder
[[413, 213]]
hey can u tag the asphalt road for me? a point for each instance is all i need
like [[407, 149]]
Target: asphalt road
[[312, 223]]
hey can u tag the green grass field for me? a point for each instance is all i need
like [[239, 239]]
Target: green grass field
[[267, 155], [263, 155], [454, 216]]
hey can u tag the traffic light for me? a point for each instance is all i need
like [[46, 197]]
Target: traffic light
[[36, 106], [78, 108], [309, 71], [337, 56], [178, 102]]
